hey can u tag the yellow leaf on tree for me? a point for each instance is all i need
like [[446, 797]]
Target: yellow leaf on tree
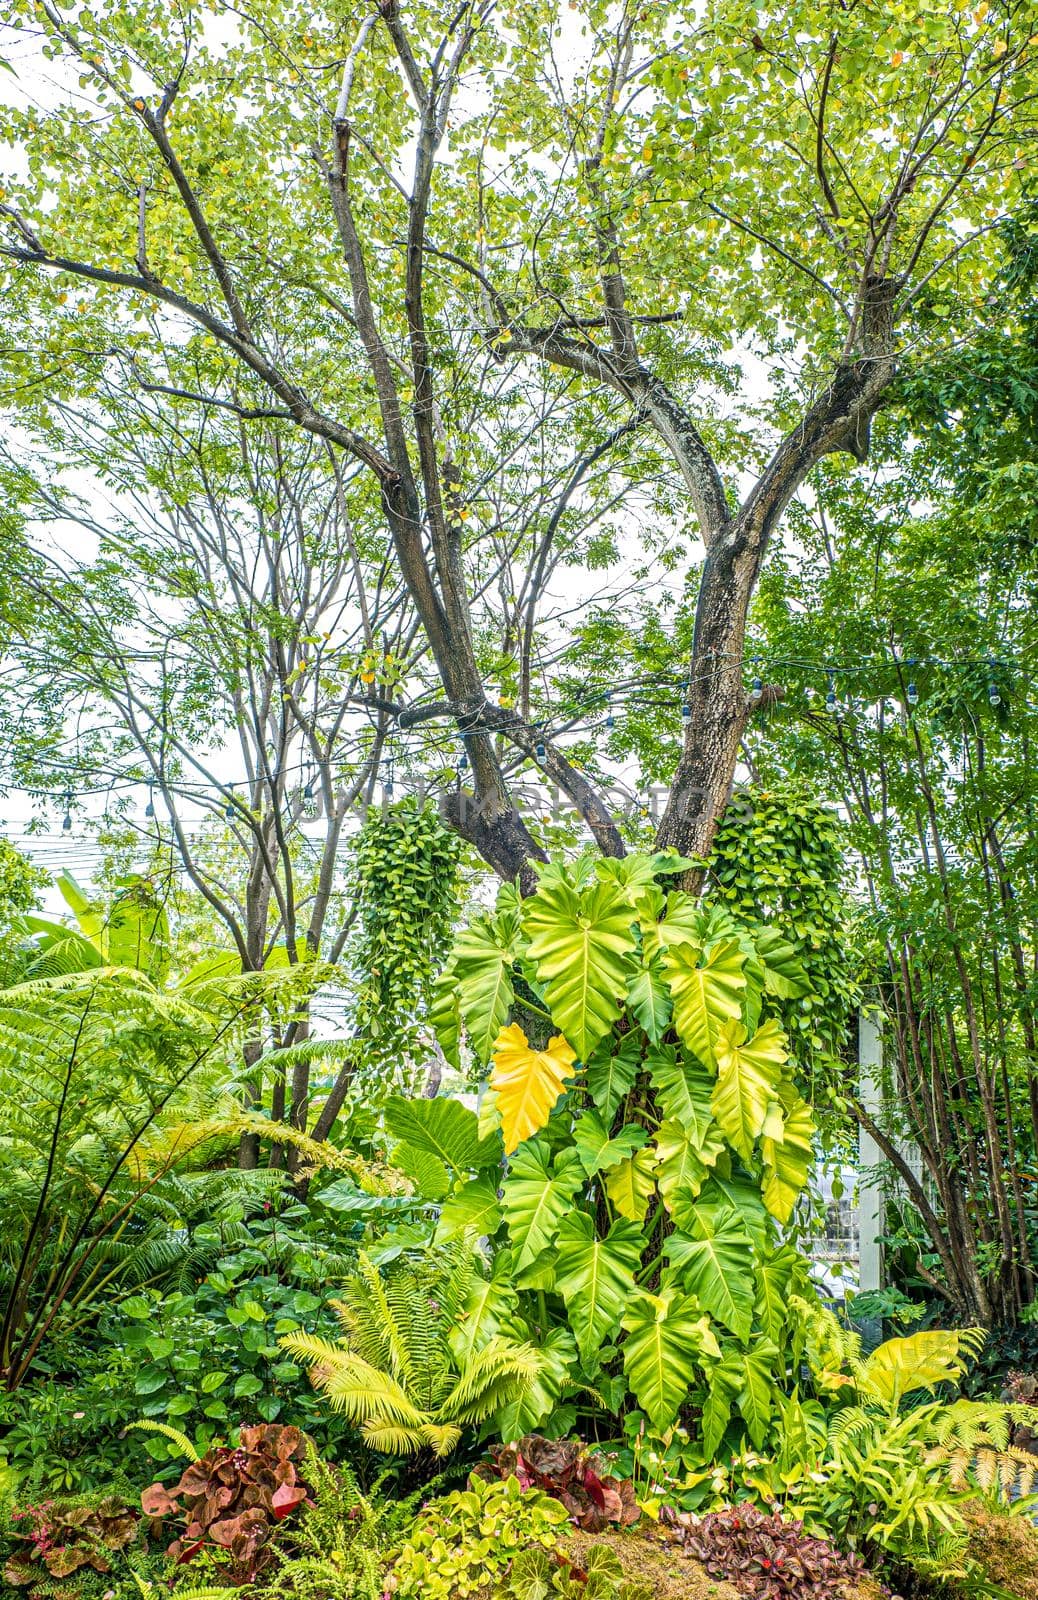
[[527, 1082]]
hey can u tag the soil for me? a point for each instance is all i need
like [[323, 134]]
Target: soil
[[673, 1575]]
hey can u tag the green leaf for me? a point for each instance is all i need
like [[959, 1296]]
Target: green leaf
[[444, 1016], [558, 1358], [665, 1333], [537, 1197], [581, 944], [748, 1074], [682, 1168], [492, 1307], [426, 1171], [473, 1208], [648, 997], [597, 1149], [612, 1070], [757, 1391], [631, 1185], [784, 973], [483, 955], [596, 1278], [684, 1091], [715, 1263], [445, 1128], [787, 1159], [708, 992], [774, 1285]]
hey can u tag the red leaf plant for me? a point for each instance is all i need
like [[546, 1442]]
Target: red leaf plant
[[64, 1537], [568, 1471], [234, 1498], [764, 1555]]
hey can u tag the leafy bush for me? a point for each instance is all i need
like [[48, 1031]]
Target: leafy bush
[[468, 1541], [766, 1556], [65, 1536], [398, 1372], [538, 1574], [642, 1090], [234, 1498], [563, 1468]]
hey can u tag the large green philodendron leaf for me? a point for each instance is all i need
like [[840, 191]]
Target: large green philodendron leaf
[[748, 1075], [708, 992], [715, 1263], [596, 1278], [787, 1158], [684, 1091], [612, 1070], [665, 1335], [537, 1195], [445, 1128], [483, 955], [473, 1208], [557, 1357], [444, 1015], [648, 996], [581, 943], [598, 1149], [682, 1167], [777, 1274]]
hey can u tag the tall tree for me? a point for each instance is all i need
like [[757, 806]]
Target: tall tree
[[392, 200]]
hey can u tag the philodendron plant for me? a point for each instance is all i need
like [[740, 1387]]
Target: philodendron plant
[[653, 1140]]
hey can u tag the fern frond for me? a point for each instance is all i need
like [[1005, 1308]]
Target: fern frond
[[181, 1440]]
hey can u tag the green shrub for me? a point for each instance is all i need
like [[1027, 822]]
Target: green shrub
[[469, 1540]]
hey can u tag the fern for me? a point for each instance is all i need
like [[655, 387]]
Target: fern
[[181, 1440], [395, 1372]]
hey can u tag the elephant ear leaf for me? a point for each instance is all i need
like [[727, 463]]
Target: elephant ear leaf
[[444, 1128], [598, 1149], [748, 1076], [787, 1159], [665, 1333], [612, 1070], [648, 997], [596, 1278], [708, 991], [482, 976], [527, 1082], [581, 943]]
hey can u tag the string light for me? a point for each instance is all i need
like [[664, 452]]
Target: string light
[[66, 821], [830, 696], [610, 721], [993, 695], [757, 687], [149, 809], [230, 810]]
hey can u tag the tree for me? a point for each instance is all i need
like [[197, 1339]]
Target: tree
[[930, 752], [622, 197], [231, 615]]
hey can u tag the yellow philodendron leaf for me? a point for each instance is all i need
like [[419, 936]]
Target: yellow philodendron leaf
[[632, 1184], [527, 1082]]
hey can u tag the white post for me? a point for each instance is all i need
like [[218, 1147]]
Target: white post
[[870, 1196]]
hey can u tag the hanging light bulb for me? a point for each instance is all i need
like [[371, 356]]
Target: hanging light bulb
[[149, 809], [993, 695], [463, 762], [610, 719], [229, 810], [912, 695], [309, 800], [830, 698], [539, 747], [686, 713], [66, 822], [387, 787]]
